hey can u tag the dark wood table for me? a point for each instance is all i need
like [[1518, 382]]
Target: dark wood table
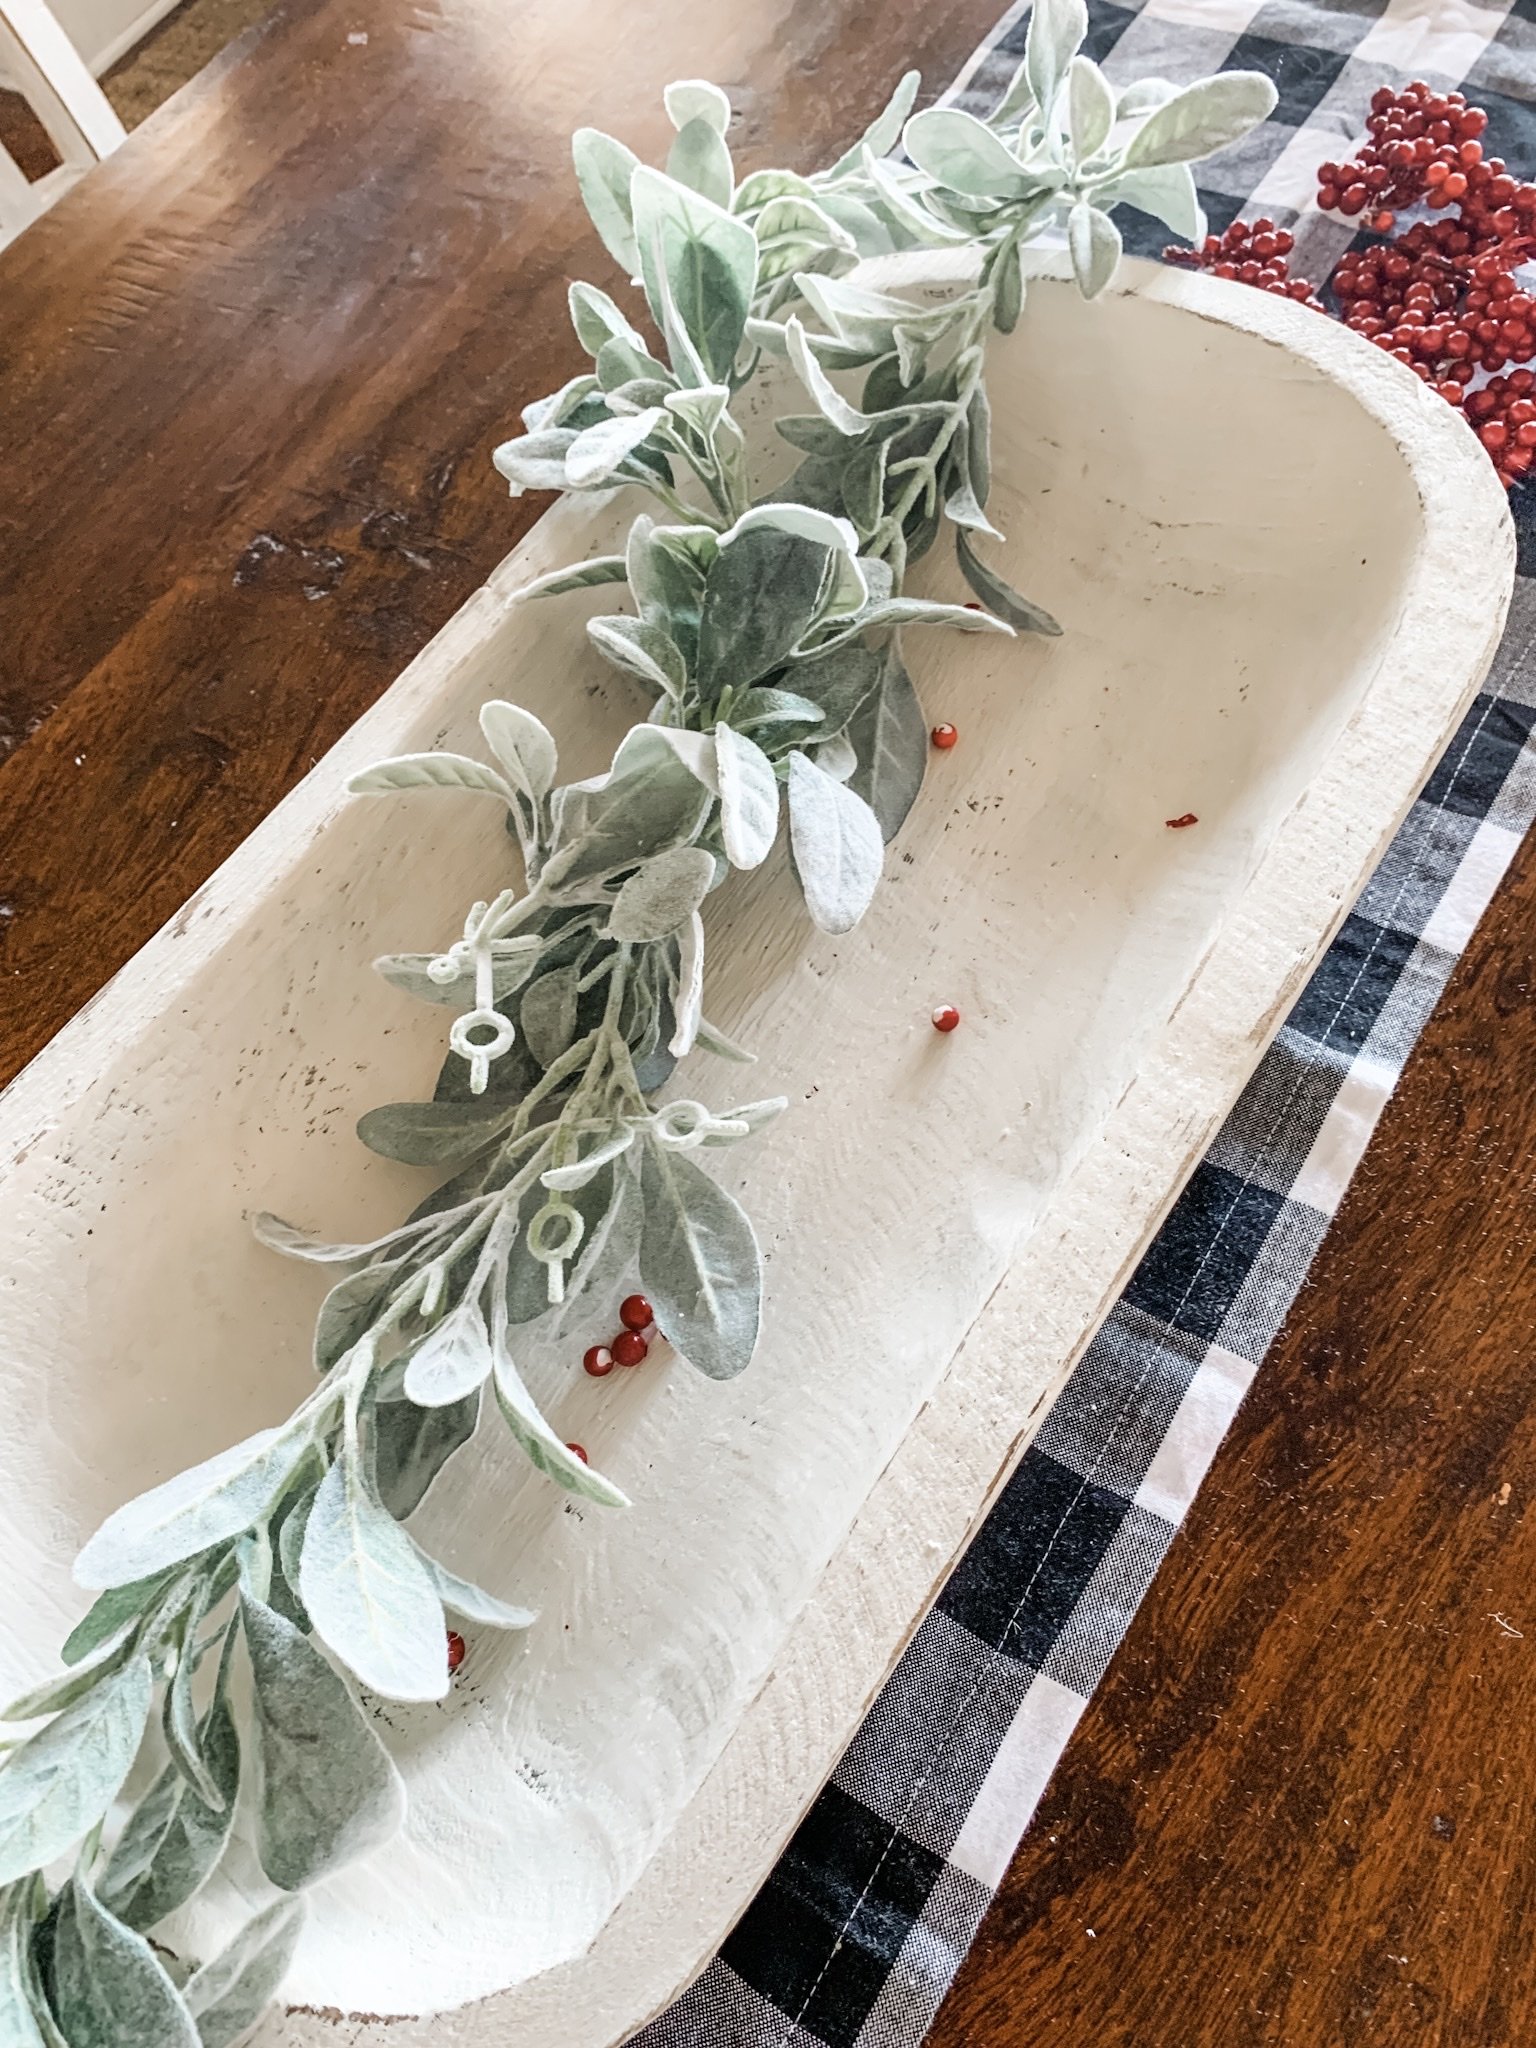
[[250, 376]]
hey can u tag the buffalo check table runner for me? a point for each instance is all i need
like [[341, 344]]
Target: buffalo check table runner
[[858, 1933]]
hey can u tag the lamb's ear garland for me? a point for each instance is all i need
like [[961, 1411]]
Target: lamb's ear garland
[[758, 635]]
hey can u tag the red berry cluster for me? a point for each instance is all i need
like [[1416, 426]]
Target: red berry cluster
[[1250, 252], [1440, 295], [631, 1345]]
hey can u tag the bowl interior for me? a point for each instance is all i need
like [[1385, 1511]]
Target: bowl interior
[[1227, 537]]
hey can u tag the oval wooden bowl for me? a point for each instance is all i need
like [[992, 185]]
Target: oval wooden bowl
[[1282, 568]]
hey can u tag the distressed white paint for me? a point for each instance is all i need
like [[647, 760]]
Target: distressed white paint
[[1282, 568]]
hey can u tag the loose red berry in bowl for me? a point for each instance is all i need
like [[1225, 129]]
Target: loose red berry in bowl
[[629, 1348], [945, 1017], [635, 1312], [943, 737], [598, 1361], [1178, 824], [458, 1650], [576, 1451]]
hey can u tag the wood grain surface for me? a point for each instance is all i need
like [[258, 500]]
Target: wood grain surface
[[250, 375], [1299, 1812]]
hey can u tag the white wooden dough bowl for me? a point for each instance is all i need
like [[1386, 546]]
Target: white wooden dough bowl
[[1282, 568]]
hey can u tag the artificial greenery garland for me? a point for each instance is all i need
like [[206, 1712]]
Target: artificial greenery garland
[[768, 638]]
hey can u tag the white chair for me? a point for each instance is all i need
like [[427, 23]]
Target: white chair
[[38, 60]]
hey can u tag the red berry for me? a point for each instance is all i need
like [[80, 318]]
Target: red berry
[[458, 1650], [629, 1348], [943, 737], [635, 1312], [1180, 824], [577, 1452], [598, 1361], [945, 1017]]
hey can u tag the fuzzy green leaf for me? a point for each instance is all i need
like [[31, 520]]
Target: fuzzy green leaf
[[661, 895], [699, 1264], [1204, 117], [452, 1361], [429, 771], [110, 1990], [174, 1838], [367, 1592], [411, 1445], [1002, 597], [837, 845], [749, 798], [522, 744], [229, 1994], [605, 170], [208, 1504], [329, 1788]]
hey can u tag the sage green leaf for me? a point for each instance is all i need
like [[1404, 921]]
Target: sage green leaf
[[689, 996], [649, 800], [294, 1243], [695, 99], [55, 1694], [20, 2026], [112, 1612], [174, 1838], [835, 756], [661, 895], [535, 462], [802, 521], [774, 717], [1204, 117], [700, 160], [59, 1783], [330, 1789], [760, 599], [434, 1133], [597, 319], [522, 744], [599, 452], [890, 736], [1056, 32], [229, 1994], [1002, 597], [1094, 242], [1008, 302], [452, 1360], [474, 1602], [810, 432], [1090, 107], [749, 799], [548, 1014], [839, 682], [411, 1445], [109, 1988], [290, 1543], [837, 846], [699, 1264], [542, 1446], [884, 132], [712, 1040], [348, 1311], [708, 259], [581, 576], [605, 170], [830, 402], [429, 771], [643, 649], [183, 1738], [1167, 192], [959, 151], [367, 1592], [208, 1504]]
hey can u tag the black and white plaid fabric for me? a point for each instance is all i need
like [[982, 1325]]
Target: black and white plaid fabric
[[855, 1938]]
